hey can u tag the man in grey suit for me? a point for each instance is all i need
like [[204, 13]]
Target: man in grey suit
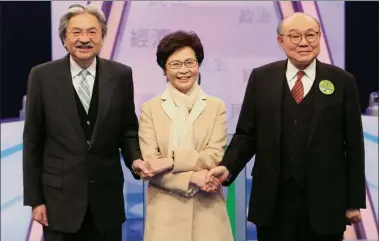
[[79, 114]]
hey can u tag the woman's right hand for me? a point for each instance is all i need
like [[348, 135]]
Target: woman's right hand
[[199, 178]]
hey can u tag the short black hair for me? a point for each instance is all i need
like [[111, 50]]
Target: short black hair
[[177, 40]]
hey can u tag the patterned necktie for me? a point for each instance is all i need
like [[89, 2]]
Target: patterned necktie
[[84, 91], [298, 90]]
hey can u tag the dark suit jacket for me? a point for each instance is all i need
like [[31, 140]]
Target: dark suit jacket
[[60, 169], [335, 159]]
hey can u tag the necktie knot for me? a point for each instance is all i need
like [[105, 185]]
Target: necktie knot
[[84, 73], [300, 74]]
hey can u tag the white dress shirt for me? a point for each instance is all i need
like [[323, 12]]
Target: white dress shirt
[[307, 79], [76, 77]]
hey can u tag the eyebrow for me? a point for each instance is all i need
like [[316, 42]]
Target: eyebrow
[[184, 60], [77, 28]]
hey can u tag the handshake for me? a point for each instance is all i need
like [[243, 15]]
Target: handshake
[[206, 180], [149, 168]]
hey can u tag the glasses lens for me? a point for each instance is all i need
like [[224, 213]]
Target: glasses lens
[[175, 65], [295, 38], [311, 37], [190, 63]]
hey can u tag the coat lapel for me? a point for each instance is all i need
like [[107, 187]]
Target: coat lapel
[[197, 108], [67, 95], [168, 105], [277, 80], [165, 122], [196, 111], [106, 89], [319, 100]]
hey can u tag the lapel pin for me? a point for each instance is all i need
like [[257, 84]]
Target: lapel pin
[[326, 87]]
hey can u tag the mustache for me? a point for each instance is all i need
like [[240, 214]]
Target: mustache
[[84, 45]]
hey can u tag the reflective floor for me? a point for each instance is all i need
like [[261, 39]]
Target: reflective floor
[[132, 230]]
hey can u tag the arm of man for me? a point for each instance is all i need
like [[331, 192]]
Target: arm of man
[[33, 142], [243, 144], [190, 160], [178, 182], [354, 147], [129, 145]]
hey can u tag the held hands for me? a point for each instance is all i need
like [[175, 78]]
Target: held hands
[[220, 172], [143, 169], [39, 214], [353, 215], [199, 179]]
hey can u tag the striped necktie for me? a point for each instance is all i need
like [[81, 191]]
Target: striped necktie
[[298, 89], [84, 90]]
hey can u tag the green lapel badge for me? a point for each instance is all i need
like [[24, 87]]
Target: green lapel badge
[[326, 87]]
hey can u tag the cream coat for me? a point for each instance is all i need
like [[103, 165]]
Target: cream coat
[[170, 215]]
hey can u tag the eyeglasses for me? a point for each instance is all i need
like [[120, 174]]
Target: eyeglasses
[[296, 38], [91, 34], [190, 63]]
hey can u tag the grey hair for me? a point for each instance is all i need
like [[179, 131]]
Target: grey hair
[[77, 9]]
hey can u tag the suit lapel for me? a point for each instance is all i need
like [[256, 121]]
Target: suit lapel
[[319, 100], [106, 89], [276, 86], [168, 105], [67, 95], [197, 109], [165, 122]]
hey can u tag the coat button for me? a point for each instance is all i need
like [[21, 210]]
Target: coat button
[[88, 143], [91, 181]]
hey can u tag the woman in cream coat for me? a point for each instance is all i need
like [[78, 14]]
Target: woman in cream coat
[[185, 128]]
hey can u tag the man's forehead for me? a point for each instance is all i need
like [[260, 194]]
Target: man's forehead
[[81, 20], [300, 23], [83, 17]]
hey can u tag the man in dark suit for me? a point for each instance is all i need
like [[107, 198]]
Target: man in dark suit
[[79, 114], [302, 121]]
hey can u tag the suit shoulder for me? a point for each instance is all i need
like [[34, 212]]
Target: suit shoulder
[[337, 70], [47, 66], [216, 101], [151, 103], [270, 66], [117, 66]]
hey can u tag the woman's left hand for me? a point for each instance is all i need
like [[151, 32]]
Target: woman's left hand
[[212, 186]]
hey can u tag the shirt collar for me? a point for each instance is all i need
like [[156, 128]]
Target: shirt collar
[[310, 71], [76, 69]]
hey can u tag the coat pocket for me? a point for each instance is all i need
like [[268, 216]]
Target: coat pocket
[[51, 180]]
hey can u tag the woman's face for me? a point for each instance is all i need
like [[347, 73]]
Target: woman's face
[[182, 69]]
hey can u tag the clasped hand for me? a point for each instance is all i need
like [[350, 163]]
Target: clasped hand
[[143, 169], [199, 179]]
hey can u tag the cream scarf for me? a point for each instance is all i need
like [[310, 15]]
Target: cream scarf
[[181, 131]]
